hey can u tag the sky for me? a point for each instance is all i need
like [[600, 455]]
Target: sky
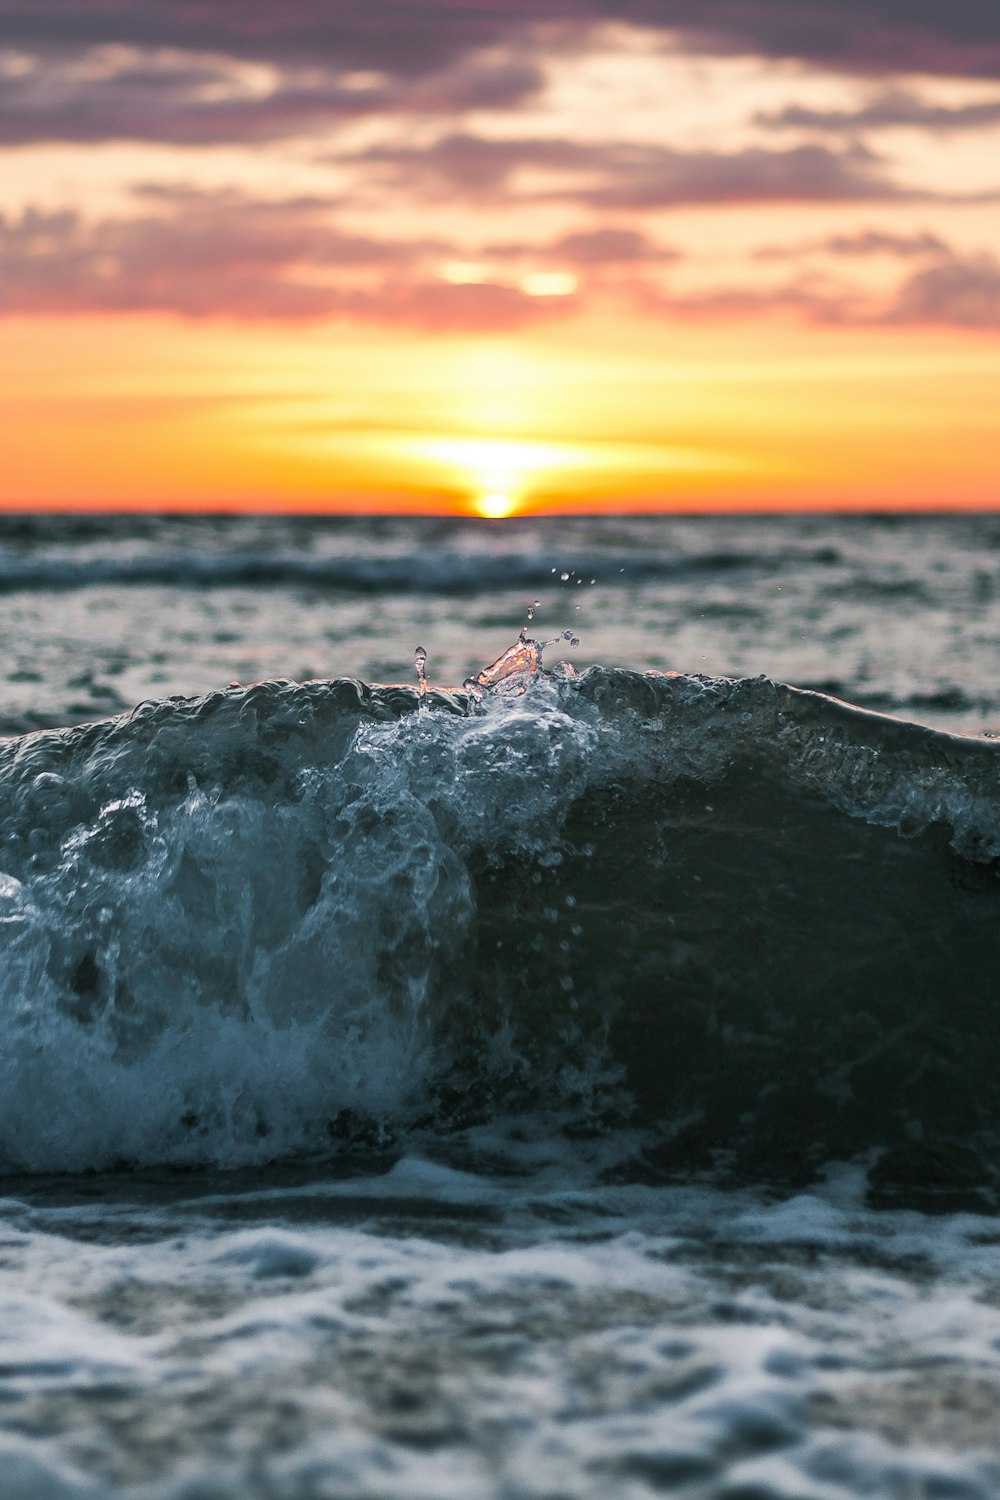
[[492, 256]]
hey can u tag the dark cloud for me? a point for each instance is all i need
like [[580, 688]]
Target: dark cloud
[[409, 38], [860, 36], [890, 109], [190, 100], [625, 176], [400, 37], [226, 257], [868, 243], [94, 70]]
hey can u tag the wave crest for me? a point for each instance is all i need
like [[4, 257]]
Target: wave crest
[[756, 920]]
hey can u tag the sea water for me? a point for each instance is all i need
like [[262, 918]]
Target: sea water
[[580, 1084]]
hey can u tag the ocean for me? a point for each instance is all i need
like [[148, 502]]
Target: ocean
[[573, 1073]]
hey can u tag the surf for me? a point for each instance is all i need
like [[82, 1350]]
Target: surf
[[754, 923]]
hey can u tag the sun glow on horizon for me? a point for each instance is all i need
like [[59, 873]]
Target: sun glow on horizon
[[498, 474], [494, 506]]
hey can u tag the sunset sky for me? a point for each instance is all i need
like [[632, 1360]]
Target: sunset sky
[[496, 256]]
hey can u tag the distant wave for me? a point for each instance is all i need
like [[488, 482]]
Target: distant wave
[[758, 923], [425, 571]]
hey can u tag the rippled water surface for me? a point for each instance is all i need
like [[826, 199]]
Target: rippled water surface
[[896, 613], [591, 1092]]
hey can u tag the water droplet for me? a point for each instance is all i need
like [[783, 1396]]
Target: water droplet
[[563, 576], [574, 640], [420, 662]]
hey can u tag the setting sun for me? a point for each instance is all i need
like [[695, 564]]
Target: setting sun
[[494, 506], [497, 474]]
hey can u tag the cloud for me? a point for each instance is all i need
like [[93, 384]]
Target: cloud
[[188, 99], [214, 71], [804, 174], [957, 292], [474, 165], [223, 256], [962, 292], [853, 36], [481, 306], [796, 300], [869, 242], [609, 246], [614, 175], [888, 110], [397, 37], [409, 39]]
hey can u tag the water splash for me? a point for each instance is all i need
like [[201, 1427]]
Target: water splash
[[516, 667], [420, 662]]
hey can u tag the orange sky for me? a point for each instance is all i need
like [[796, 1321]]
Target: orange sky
[[472, 257]]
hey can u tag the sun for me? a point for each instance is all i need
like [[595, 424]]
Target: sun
[[497, 477], [494, 505]]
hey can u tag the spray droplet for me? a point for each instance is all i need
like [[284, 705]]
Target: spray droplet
[[564, 577]]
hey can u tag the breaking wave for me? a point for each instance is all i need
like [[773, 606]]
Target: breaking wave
[[755, 923]]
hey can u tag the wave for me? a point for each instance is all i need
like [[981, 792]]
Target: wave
[[755, 922], [430, 570]]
